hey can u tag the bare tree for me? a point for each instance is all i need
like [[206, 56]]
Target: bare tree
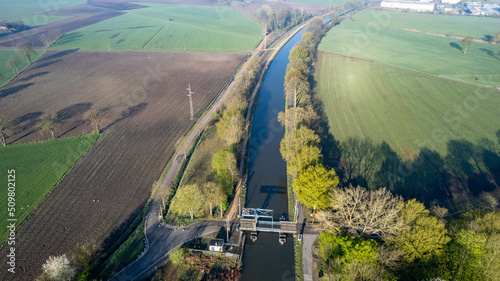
[[95, 117], [47, 124], [363, 212], [51, 36], [12, 63], [6, 129], [467, 42], [25, 50]]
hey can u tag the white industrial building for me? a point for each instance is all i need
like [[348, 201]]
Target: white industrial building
[[407, 5], [450, 1]]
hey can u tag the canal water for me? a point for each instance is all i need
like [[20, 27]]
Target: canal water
[[267, 259]]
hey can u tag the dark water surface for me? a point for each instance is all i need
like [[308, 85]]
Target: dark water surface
[[266, 259]]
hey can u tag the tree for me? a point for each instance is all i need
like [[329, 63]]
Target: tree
[[295, 88], [12, 63], [350, 258], [467, 42], [294, 73], [313, 186], [225, 169], [188, 199], [58, 268], [293, 117], [6, 129], [213, 194], [300, 53], [230, 127], [422, 236], [300, 66], [293, 142], [308, 155], [47, 124], [235, 101], [51, 36], [363, 212], [95, 117], [25, 50], [496, 38]]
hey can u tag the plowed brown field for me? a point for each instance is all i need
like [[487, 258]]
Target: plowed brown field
[[147, 111]]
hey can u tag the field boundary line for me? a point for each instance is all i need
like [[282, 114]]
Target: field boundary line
[[2, 243]]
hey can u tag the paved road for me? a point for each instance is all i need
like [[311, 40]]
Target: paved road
[[162, 239]]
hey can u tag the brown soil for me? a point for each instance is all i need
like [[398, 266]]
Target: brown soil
[[146, 111]]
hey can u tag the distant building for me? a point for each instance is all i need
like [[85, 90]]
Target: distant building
[[216, 245], [450, 1], [479, 9], [407, 5]]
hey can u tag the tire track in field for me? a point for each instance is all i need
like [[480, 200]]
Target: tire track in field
[[156, 34]]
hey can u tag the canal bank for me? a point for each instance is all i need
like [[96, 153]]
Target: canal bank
[[266, 259]]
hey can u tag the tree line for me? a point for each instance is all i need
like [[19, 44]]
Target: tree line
[[372, 234], [194, 200], [46, 125]]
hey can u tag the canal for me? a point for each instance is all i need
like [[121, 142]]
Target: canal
[[266, 259]]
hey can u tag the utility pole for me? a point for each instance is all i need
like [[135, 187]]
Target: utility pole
[[330, 6], [221, 210], [265, 37], [190, 95], [227, 229]]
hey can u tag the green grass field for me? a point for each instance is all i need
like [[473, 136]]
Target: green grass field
[[407, 109], [38, 168], [476, 27], [169, 27], [25, 10], [324, 3], [6, 72], [415, 50]]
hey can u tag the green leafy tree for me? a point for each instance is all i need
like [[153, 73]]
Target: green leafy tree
[[423, 236], [225, 169], [235, 102], [308, 155], [300, 66], [230, 127], [467, 43], [6, 129], [213, 194], [300, 53], [188, 200], [313, 186], [293, 142], [350, 258], [294, 73]]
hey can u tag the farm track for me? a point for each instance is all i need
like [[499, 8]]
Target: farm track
[[143, 95]]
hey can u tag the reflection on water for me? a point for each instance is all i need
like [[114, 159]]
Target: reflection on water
[[266, 259]]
